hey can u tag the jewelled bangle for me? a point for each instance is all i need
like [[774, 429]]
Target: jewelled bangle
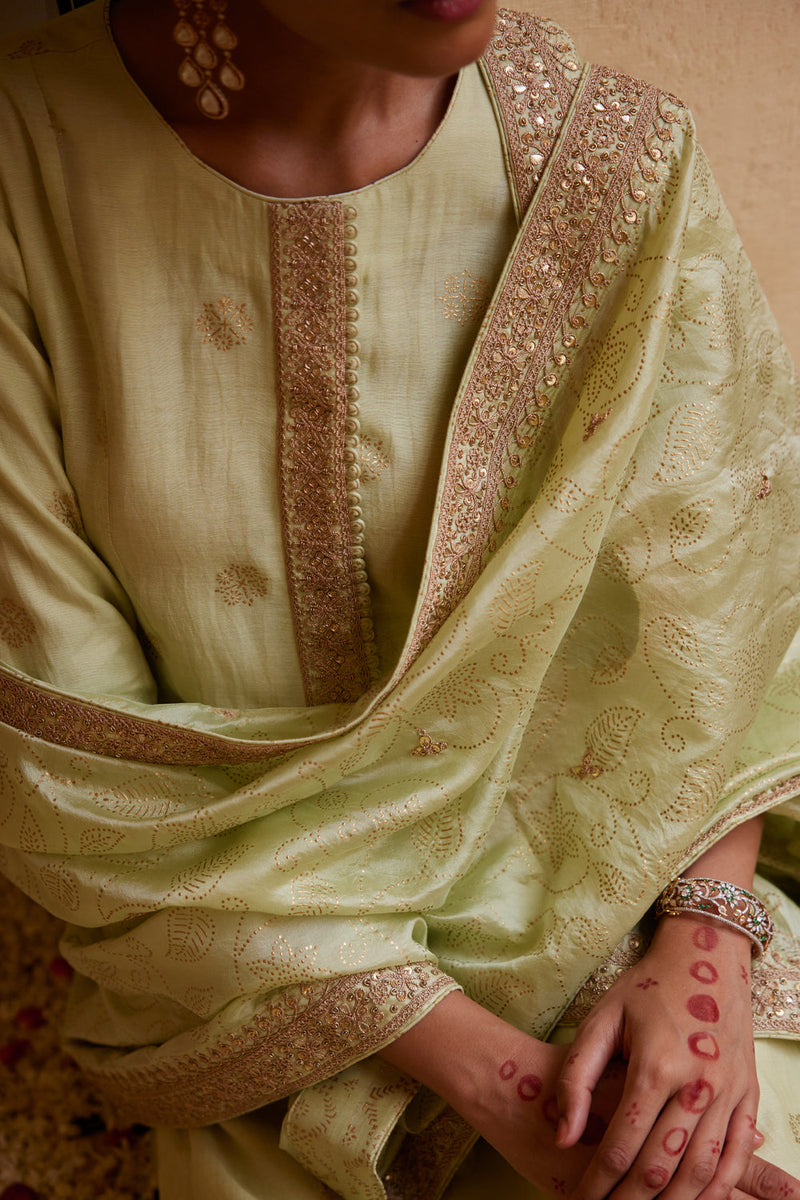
[[721, 901]]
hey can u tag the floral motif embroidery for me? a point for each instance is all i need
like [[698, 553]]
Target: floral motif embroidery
[[427, 745], [241, 583], [374, 459], [597, 419], [464, 297], [28, 49], [588, 768], [16, 625], [766, 487], [794, 1125], [224, 323], [64, 507]]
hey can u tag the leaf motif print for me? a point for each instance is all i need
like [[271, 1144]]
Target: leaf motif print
[[692, 438], [609, 735]]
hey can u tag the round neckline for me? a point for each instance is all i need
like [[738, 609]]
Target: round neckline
[[240, 187]]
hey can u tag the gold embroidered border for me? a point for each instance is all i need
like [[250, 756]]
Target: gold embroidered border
[[308, 1034], [533, 88], [578, 210], [760, 803], [426, 1162], [80, 725], [314, 301]]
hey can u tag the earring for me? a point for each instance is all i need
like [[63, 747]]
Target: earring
[[202, 55]]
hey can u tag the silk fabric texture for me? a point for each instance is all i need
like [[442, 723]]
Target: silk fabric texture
[[598, 680]]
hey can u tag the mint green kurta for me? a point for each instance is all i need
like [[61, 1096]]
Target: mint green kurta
[[386, 607]]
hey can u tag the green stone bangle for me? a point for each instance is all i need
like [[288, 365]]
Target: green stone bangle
[[733, 906]]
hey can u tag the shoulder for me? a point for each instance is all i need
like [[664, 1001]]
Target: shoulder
[[539, 47], [28, 60], [597, 126]]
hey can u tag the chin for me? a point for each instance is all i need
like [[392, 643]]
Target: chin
[[440, 48]]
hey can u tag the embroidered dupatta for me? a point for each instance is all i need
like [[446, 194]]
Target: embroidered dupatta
[[598, 680]]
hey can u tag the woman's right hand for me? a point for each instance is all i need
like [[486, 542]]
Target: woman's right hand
[[503, 1082]]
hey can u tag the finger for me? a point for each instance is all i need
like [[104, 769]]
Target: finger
[[765, 1181], [597, 1042], [631, 1127], [737, 1151]]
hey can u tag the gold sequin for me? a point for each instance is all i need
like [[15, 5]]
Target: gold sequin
[[427, 745]]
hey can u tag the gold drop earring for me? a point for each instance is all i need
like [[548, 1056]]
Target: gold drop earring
[[202, 52]]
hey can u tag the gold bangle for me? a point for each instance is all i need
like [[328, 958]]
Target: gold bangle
[[724, 902]]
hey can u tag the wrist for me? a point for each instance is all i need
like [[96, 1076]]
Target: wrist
[[459, 1050], [693, 933]]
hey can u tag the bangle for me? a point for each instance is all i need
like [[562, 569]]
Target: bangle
[[721, 901]]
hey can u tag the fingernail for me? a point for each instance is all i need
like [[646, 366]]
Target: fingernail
[[758, 1137]]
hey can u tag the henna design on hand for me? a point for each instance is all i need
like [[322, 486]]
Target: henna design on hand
[[559, 1185], [595, 1128], [704, 1045], [573, 1057], [647, 983], [675, 1140], [716, 1146], [656, 1177], [695, 1097], [508, 1069], [745, 974], [703, 1008], [705, 938], [633, 1113], [704, 971], [529, 1087]]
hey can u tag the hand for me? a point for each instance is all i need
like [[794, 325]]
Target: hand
[[503, 1082], [682, 1020]]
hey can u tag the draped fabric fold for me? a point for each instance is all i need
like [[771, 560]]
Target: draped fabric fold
[[599, 680]]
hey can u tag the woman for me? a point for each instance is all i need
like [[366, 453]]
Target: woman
[[386, 607]]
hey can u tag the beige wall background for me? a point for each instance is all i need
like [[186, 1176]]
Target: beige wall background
[[735, 62]]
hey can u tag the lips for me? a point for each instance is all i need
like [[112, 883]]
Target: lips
[[442, 10]]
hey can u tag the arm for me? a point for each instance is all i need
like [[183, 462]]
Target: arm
[[503, 1082], [682, 1019]]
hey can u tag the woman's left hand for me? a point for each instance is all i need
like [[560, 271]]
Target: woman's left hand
[[682, 1019]]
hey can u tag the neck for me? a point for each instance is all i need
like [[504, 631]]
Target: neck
[[324, 100], [305, 124]]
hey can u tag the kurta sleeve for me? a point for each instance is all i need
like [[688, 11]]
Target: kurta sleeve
[[64, 618]]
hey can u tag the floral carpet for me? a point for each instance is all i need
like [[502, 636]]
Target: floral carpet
[[58, 1140]]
